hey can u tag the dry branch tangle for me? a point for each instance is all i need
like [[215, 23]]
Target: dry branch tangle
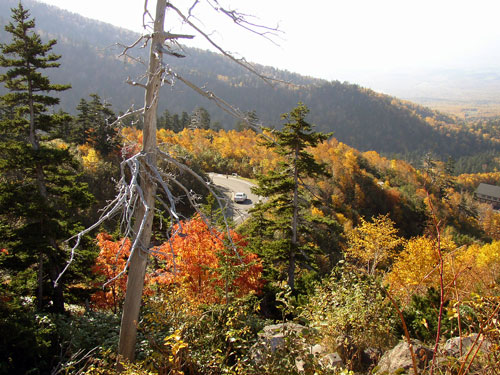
[[137, 195], [131, 195]]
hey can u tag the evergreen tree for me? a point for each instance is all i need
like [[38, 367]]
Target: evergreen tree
[[251, 122], [287, 196], [176, 123], [165, 121], [200, 118], [92, 126], [40, 197], [83, 123], [185, 120]]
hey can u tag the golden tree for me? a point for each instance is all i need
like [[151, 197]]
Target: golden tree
[[373, 243]]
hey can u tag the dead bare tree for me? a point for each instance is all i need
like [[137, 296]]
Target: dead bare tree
[[142, 181]]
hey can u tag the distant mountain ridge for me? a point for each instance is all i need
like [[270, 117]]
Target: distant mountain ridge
[[358, 117]]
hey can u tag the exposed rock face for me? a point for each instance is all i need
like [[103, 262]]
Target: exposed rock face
[[399, 358], [452, 346]]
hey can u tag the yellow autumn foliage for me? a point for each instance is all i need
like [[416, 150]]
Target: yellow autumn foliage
[[373, 243], [316, 212], [59, 144], [242, 147], [467, 269], [90, 157]]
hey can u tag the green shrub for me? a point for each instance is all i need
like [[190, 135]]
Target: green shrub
[[39, 343], [28, 341], [421, 317], [212, 339], [351, 306]]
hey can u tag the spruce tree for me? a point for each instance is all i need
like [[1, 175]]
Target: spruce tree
[[40, 197], [287, 196], [93, 126], [165, 121]]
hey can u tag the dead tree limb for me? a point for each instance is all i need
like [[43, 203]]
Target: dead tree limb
[[144, 216], [137, 193], [240, 61], [241, 20]]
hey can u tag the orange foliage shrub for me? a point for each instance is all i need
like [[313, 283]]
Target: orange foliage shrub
[[206, 267], [198, 261], [110, 262]]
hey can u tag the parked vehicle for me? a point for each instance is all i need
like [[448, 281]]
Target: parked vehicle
[[240, 197]]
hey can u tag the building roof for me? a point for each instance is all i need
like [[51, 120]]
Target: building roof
[[489, 190]]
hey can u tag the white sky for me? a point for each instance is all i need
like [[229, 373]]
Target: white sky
[[341, 39]]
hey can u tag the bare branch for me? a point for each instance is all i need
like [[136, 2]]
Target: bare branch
[[167, 36], [190, 11], [167, 50], [134, 83], [126, 48], [242, 62], [131, 112], [241, 20], [146, 14]]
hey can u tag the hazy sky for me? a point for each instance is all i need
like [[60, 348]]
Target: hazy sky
[[339, 39]]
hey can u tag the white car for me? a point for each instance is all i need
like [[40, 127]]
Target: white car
[[240, 197]]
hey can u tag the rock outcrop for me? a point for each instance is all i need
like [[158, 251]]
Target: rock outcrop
[[398, 359]]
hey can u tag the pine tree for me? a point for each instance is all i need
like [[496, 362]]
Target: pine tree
[[287, 196], [165, 121], [40, 197], [185, 120], [92, 126], [176, 125]]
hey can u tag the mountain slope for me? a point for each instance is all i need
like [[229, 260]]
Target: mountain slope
[[359, 117]]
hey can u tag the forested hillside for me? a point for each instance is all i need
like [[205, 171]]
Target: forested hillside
[[357, 116], [341, 254]]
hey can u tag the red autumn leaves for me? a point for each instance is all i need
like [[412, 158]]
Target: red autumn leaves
[[201, 262]]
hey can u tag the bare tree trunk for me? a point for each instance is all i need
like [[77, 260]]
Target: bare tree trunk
[[42, 189], [57, 291], [138, 262]]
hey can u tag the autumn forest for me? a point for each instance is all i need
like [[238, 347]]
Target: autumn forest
[[354, 247]]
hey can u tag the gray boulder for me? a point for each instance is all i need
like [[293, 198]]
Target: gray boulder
[[273, 336], [399, 358], [452, 346], [325, 359]]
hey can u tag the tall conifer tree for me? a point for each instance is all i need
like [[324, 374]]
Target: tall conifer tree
[[39, 195], [285, 192]]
